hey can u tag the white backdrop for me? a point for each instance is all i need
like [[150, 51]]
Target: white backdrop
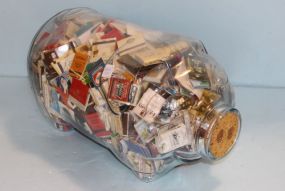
[[246, 37]]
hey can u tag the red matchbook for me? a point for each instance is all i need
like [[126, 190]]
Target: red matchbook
[[119, 89], [79, 94], [113, 33], [96, 125]]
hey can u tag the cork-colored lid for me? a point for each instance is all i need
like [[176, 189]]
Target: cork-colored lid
[[224, 134]]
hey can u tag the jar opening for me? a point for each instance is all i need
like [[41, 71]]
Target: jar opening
[[223, 134]]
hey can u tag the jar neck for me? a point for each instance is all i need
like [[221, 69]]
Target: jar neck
[[214, 136]]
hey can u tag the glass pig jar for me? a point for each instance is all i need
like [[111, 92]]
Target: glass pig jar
[[155, 100]]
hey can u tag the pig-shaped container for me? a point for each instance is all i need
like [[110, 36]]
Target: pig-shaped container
[[155, 100]]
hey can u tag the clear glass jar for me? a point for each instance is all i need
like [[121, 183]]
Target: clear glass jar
[[155, 100]]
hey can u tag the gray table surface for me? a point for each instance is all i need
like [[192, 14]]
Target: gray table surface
[[35, 156]]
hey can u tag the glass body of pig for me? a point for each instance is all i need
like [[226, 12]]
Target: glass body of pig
[[155, 100]]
